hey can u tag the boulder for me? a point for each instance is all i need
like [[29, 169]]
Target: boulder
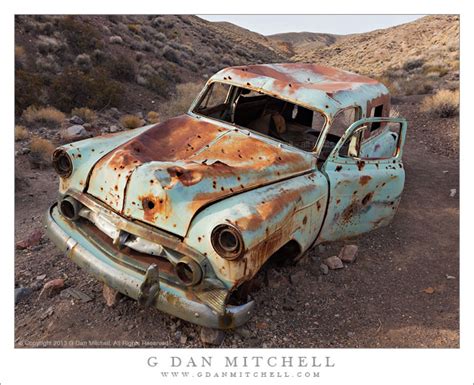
[[73, 133]]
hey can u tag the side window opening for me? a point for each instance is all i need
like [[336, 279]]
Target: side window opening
[[340, 124], [385, 147], [376, 112], [265, 114]]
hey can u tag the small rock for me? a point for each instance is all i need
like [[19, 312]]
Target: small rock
[[183, 339], [74, 293], [76, 120], [41, 277], [211, 336], [111, 296], [87, 126], [22, 292], [297, 277], [32, 240], [47, 313], [334, 262], [261, 325], [114, 112], [348, 253], [276, 279], [350, 334], [243, 331], [452, 192], [445, 171], [73, 133], [140, 114], [450, 276], [324, 268], [52, 287], [429, 290], [114, 128]]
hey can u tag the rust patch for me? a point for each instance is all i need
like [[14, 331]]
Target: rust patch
[[364, 179], [360, 164], [154, 206]]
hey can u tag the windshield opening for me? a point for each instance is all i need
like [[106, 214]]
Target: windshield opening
[[265, 114]]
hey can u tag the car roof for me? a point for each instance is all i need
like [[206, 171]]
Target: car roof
[[326, 89]]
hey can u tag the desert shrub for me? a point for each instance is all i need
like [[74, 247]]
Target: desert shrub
[[81, 36], [21, 133], [115, 40], [444, 104], [440, 70], [86, 114], [83, 61], [153, 117], [47, 64], [415, 85], [47, 45], [181, 101], [93, 90], [28, 89], [160, 36], [98, 56], [412, 64], [171, 54], [121, 68], [135, 28], [44, 115], [131, 121], [20, 56], [41, 150], [158, 84]]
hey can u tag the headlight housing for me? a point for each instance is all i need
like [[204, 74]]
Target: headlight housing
[[227, 241], [62, 163]]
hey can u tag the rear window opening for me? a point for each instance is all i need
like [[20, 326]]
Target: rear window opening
[[262, 113]]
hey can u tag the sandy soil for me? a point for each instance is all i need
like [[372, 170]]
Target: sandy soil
[[403, 290]]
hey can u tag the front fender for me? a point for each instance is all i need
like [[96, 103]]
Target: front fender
[[268, 217], [85, 153]]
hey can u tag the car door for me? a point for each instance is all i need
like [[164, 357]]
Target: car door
[[366, 178]]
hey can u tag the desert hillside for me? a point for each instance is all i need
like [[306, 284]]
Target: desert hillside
[[133, 62], [414, 58], [104, 61]]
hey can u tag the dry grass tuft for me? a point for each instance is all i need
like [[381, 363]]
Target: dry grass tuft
[[46, 115], [41, 150], [180, 103], [444, 104], [86, 114], [131, 121], [21, 133], [153, 117]]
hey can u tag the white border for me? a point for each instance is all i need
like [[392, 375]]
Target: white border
[[388, 366]]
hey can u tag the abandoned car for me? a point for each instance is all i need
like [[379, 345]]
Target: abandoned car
[[269, 160]]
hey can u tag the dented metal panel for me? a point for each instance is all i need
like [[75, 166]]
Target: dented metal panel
[[164, 183]]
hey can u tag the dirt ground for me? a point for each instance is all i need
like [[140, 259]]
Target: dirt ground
[[402, 291]]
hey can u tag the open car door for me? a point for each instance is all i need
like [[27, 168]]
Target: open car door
[[366, 178]]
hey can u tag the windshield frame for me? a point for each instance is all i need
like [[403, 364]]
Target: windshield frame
[[202, 95]]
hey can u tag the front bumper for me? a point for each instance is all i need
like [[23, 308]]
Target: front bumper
[[104, 265]]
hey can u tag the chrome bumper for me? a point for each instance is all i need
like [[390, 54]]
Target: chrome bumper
[[169, 298]]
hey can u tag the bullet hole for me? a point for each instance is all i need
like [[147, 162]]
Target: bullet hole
[[338, 168], [150, 205]]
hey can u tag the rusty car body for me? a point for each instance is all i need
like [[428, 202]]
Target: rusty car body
[[179, 215]]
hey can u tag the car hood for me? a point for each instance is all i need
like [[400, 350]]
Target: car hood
[[166, 174]]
